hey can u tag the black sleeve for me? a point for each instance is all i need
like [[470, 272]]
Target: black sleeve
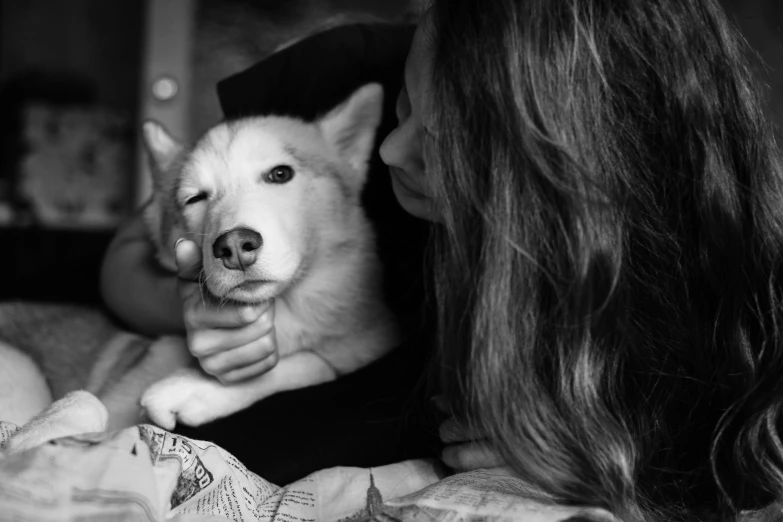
[[377, 415]]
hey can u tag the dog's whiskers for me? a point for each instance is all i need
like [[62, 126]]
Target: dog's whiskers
[[202, 282]]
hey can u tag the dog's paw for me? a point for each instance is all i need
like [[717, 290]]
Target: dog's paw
[[159, 414], [187, 397]]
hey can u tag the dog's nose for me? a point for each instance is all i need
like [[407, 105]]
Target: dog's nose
[[237, 248]]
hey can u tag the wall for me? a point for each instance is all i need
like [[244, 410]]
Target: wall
[[100, 39]]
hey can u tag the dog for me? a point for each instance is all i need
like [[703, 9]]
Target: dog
[[274, 204]]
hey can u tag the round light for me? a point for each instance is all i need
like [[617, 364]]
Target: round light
[[164, 88]]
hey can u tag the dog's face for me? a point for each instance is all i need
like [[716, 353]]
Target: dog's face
[[265, 198]]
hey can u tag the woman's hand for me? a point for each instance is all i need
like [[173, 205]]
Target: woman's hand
[[232, 342], [467, 451]]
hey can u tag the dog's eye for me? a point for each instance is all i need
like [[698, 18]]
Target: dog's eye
[[201, 196], [280, 174]]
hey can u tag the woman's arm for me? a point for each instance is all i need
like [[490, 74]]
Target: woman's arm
[[135, 288]]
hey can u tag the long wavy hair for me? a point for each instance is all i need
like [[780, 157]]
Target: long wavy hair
[[609, 269]]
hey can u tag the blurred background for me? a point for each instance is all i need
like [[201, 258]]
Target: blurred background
[[76, 78]]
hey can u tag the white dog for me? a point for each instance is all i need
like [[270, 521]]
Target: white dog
[[275, 204]]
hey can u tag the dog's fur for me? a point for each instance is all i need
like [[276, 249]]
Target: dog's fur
[[317, 261]]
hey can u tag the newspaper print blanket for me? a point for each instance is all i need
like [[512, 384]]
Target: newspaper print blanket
[[145, 473]]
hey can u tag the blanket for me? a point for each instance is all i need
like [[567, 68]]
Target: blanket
[[61, 467]]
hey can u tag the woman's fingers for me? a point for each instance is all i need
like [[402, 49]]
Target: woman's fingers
[[188, 257], [206, 342], [201, 314], [471, 455], [249, 372], [466, 449], [251, 354]]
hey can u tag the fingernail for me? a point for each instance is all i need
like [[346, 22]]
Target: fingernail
[[176, 244]]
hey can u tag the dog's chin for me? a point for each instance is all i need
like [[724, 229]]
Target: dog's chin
[[253, 291], [257, 285]]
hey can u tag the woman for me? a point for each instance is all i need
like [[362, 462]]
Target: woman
[[608, 254]]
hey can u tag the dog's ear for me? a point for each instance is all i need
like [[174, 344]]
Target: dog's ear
[[350, 127], [163, 150]]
